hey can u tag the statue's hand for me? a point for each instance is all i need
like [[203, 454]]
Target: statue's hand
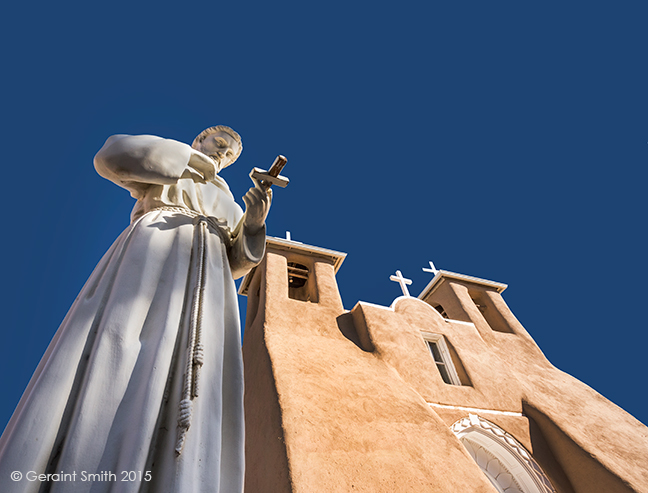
[[257, 204], [200, 167]]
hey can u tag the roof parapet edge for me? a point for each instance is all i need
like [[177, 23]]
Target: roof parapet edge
[[444, 274], [287, 245]]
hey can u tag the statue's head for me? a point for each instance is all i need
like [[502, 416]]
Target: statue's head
[[220, 143]]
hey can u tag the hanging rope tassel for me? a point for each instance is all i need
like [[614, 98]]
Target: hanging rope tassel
[[195, 348]]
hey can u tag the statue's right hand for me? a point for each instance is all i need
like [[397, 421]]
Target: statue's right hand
[[194, 174], [200, 167]]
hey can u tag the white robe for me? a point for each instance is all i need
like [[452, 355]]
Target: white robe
[[105, 396]]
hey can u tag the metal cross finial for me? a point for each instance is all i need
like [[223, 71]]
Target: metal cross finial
[[432, 269], [402, 281]]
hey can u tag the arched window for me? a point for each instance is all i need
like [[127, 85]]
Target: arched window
[[506, 463]]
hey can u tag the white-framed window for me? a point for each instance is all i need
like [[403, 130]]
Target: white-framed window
[[439, 351]]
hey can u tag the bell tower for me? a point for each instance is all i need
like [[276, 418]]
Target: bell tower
[[293, 301]]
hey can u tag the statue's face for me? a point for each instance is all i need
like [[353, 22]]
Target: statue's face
[[221, 147]]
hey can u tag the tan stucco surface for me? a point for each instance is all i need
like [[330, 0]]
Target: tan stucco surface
[[342, 401]]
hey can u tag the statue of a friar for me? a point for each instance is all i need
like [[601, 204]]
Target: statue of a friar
[[142, 385]]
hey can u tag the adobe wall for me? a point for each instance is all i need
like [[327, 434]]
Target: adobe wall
[[599, 446], [348, 420], [342, 401]]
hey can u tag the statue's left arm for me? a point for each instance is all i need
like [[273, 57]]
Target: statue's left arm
[[248, 245]]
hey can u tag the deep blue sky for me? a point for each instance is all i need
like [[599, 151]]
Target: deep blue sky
[[500, 139]]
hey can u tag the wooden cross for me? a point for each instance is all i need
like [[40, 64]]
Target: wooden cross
[[402, 281], [272, 176], [432, 269]]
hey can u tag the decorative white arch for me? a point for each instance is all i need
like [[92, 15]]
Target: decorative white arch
[[504, 460]]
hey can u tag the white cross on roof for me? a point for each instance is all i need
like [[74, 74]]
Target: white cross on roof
[[432, 269], [402, 281], [289, 238]]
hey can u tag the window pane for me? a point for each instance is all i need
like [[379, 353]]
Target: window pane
[[444, 373], [435, 352]]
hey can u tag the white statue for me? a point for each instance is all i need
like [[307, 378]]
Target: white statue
[[143, 381]]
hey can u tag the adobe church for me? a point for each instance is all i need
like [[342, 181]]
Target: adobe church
[[444, 392]]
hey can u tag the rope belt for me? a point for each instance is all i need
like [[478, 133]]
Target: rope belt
[[217, 224], [195, 347]]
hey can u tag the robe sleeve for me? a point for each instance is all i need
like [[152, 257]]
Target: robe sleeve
[[136, 161], [246, 251]]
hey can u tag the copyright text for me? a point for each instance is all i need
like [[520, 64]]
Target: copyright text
[[101, 476]]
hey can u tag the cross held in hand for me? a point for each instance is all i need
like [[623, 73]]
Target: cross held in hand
[[272, 176], [402, 281]]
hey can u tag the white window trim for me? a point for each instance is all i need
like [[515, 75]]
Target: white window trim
[[510, 455], [439, 340]]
